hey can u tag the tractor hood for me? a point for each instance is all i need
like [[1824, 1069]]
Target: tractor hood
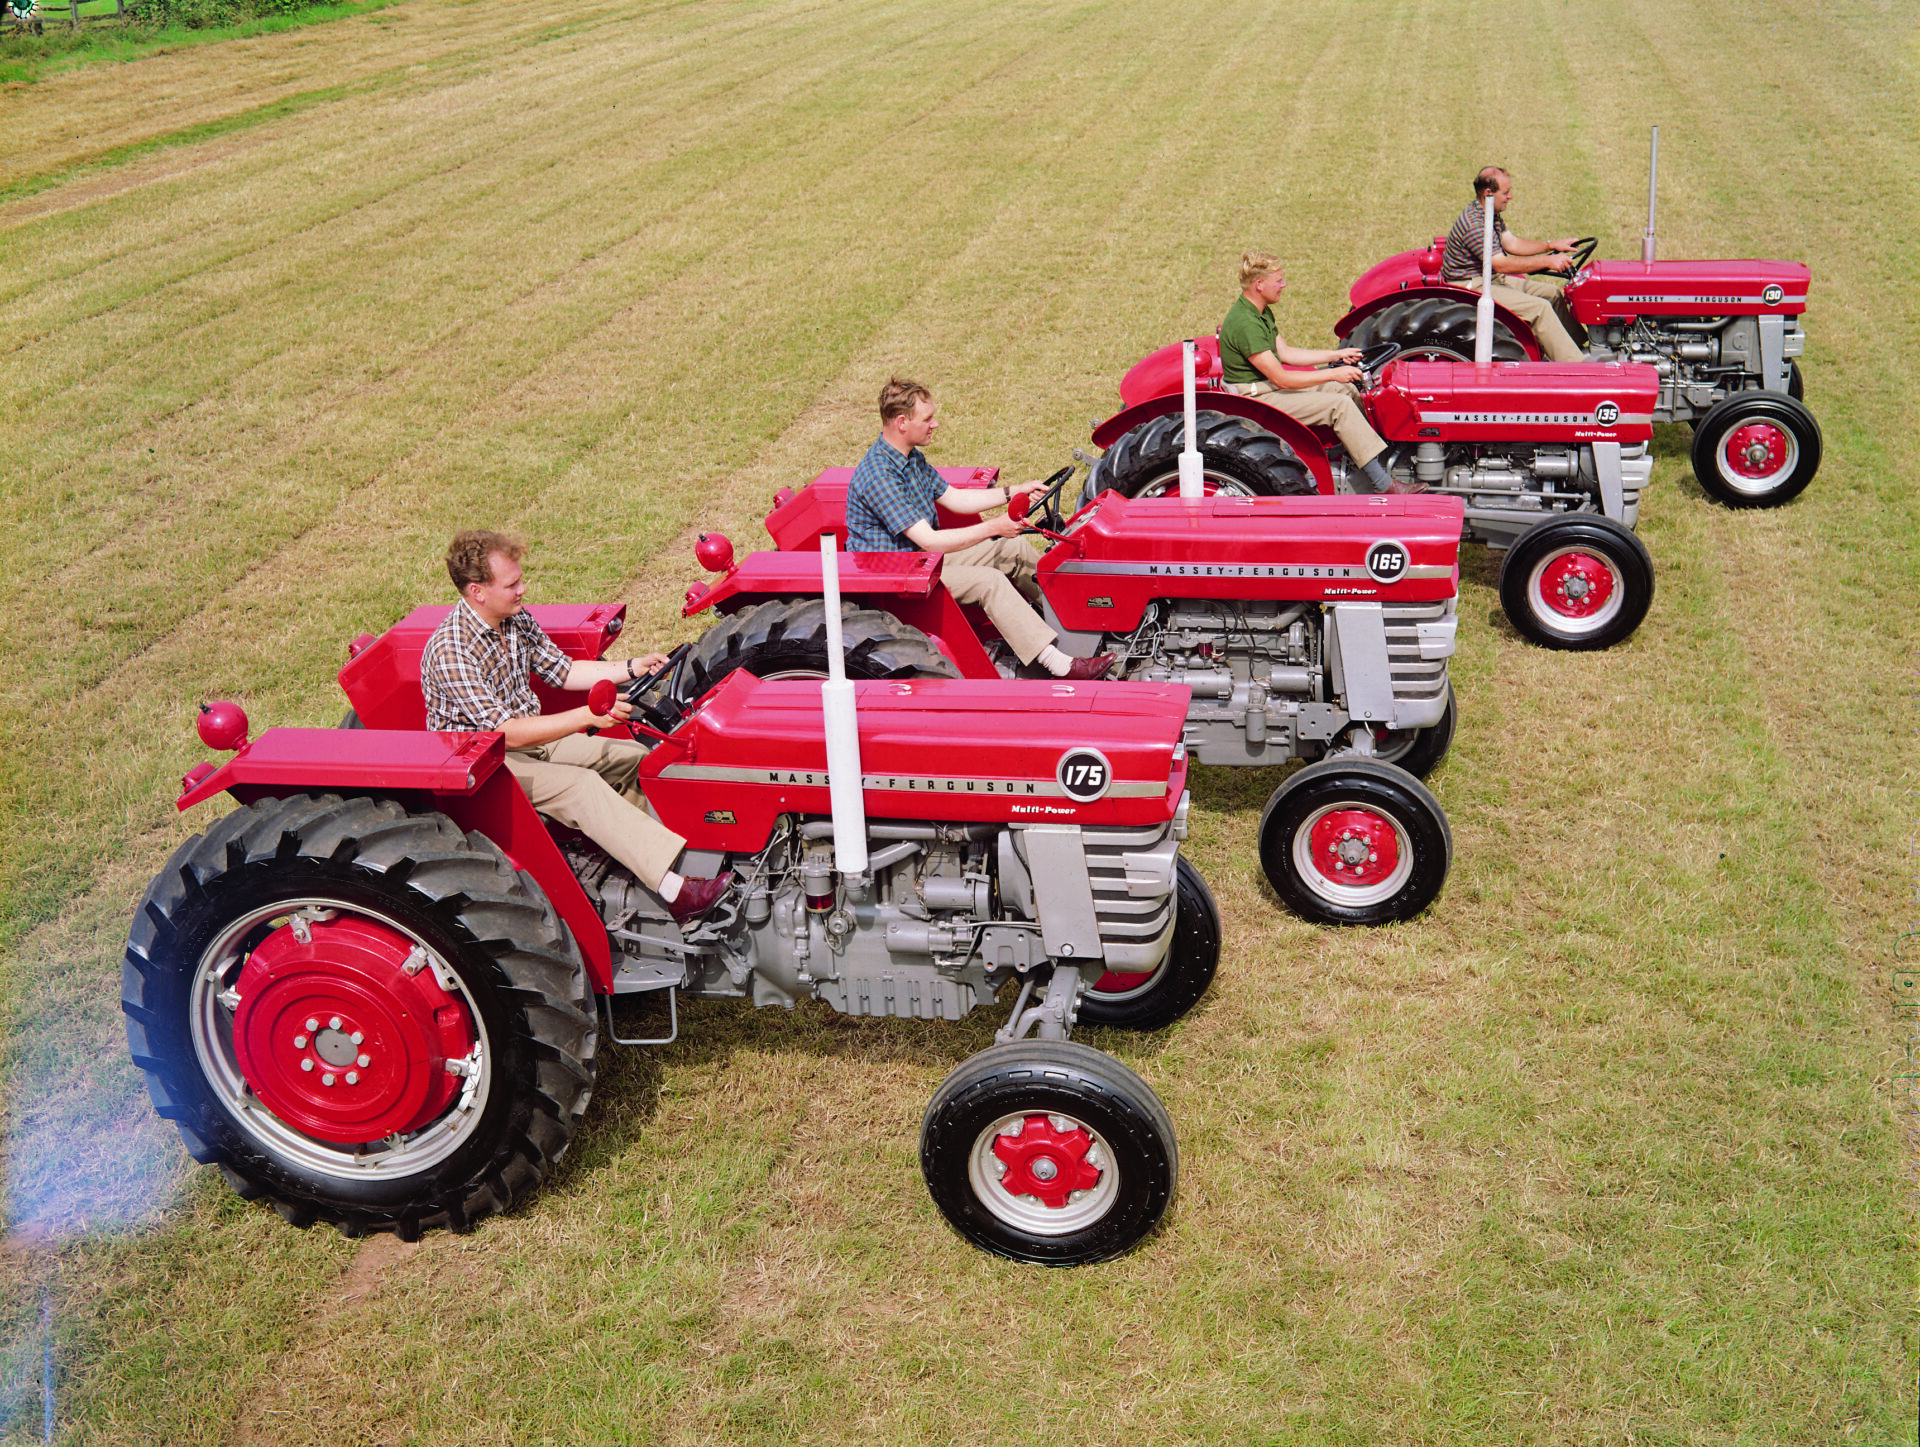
[[1160, 374], [951, 750], [1125, 552], [1533, 402], [1618, 291]]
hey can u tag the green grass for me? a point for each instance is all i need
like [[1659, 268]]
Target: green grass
[[1599, 1150]]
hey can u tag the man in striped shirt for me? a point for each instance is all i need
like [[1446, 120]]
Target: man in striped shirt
[[475, 676], [1518, 264]]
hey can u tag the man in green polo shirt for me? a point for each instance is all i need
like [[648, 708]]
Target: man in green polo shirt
[[1255, 358]]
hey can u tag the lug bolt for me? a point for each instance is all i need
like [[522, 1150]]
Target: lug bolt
[[306, 1065], [312, 1025], [356, 1037], [353, 1077], [364, 1061], [327, 1079], [299, 1042], [334, 1023]]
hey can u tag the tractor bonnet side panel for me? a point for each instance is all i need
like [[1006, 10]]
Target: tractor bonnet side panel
[[1124, 553], [1619, 291], [935, 749], [1530, 402]]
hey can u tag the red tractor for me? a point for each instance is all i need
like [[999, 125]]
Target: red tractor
[[1722, 336], [375, 991], [1547, 460], [1306, 628]]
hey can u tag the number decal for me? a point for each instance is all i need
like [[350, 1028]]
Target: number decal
[[1084, 775]]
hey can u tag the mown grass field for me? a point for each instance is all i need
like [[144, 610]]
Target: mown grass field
[[1601, 1150]]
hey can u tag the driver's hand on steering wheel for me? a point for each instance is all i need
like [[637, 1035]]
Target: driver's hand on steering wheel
[[1349, 354], [1346, 374], [1560, 261], [649, 663], [1566, 243], [1024, 489]]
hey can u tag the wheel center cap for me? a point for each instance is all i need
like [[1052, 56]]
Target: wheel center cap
[[335, 1047]]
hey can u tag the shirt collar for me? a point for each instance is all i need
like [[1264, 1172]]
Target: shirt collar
[[474, 620]]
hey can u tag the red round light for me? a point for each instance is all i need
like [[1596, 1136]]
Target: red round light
[[783, 496], [222, 725], [714, 552]]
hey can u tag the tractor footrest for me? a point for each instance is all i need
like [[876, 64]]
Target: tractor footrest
[[635, 977]]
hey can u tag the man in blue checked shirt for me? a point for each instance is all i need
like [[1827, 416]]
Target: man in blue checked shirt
[[890, 509]]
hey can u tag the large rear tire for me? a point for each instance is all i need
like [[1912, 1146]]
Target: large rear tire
[[1048, 1151], [788, 639], [1756, 449], [1579, 582], [1241, 460], [360, 1015], [1433, 328], [1350, 841], [1158, 998]]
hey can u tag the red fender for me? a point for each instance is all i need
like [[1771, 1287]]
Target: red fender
[[1290, 430], [1522, 333]]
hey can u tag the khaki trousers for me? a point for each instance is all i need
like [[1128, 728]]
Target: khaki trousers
[[1331, 404], [592, 784], [1532, 301], [994, 574]]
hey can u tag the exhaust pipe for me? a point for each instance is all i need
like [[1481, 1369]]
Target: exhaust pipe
[[843, 729], [1192, 468], [1653, 180], [1483, 313]]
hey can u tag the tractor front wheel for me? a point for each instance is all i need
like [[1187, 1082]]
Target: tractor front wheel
[[1579, 582], [361, 1015], [1050, 1152], [1756, 449], [1159, 997], [1351, 841], [1241, 460]]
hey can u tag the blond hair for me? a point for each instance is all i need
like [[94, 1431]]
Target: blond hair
[[1256, 264]]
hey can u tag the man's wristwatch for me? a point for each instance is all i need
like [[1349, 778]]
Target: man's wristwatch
[[630, 673]]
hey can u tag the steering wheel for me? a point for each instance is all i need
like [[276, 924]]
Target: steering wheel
[[1042, 509], [657, 705], [1583, 250], [1373, 359]]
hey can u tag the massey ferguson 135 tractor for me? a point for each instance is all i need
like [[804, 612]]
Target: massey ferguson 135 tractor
[[374, 992], [1315, 628], [1547, 460], [1722, 335]]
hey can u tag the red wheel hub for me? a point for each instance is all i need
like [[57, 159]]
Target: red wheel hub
[[1354, 846], [1576, 585], [346, 1034], [1756, 449], [1046, 1163], [1114, 983]]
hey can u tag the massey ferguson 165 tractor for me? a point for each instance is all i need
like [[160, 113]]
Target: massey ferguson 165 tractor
[[1547, 460], [375, 991], [1722, 335], [1306, 628]]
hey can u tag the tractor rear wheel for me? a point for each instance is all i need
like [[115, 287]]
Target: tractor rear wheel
[[1756, 449], [1351, 841], [1241, 460], [787, 638], [1050, 1152], [1159, 997], [1579, 582], [1433, 328], [360, 1015]]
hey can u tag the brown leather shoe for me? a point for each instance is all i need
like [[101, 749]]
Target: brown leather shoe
[[1405, 489], [1088, 669], [697, 896]]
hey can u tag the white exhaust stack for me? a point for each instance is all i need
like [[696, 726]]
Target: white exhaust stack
[[1653, 180], [1483, 313], [843, 729], [1192, 467]]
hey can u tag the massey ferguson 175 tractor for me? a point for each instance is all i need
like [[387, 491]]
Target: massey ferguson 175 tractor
[[1722, 336], [1547, 460], [374, 992], [1306, 628]]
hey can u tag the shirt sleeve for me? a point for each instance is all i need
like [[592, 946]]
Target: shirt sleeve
[[548, 661], [456, 694]]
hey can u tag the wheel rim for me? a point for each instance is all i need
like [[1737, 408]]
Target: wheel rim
[[1427, 352], [1043, 1173], [1577, 590], [1352, 853], [372, 990], [1757, 457], [1212, 484], [785, 675]]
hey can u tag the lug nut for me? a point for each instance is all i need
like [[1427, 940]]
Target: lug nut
[[326, 1079], [356, 1037], [306, 1065], [353, 1077], [312, 1025], [299, 1042], [334, 1023], [364, 1061]]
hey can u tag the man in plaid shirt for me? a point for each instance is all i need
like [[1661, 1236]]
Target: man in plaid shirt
[[474, 674], [1517, 263], [891, 509]]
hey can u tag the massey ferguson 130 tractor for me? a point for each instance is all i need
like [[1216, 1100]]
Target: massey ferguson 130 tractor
[[1306, 628], [1722, 335], [375, 991], [1547, 460]]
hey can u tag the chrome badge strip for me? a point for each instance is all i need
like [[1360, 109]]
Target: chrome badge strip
[[1241, 570], [1709, 300], [905, 783], [1540, 419]]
